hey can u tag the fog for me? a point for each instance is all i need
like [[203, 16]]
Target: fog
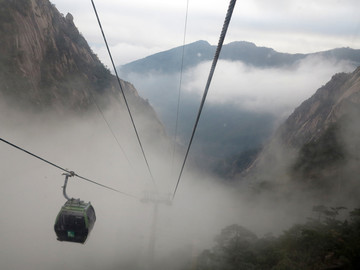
[[272, 90], [276, 91], [31, 196]]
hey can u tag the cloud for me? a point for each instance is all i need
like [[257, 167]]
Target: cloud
[[272, 90], [151, 26], [297, 26]]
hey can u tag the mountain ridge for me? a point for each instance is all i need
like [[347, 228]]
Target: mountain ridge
[[43, 53], [317, 146], [156, 77], [249, 53], [46, 65]]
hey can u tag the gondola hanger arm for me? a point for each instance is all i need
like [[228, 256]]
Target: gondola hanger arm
[[67, 175]]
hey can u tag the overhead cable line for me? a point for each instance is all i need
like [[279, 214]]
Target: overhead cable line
[[123, 93], [212, 70], [180, 84], [65, 170]]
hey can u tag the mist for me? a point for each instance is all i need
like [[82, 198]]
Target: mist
[[31, 196], [244, 105], [272, 90]]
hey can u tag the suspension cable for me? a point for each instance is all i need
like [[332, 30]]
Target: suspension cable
[[123, 93], [65, 170], [180, 85], [212, 70]]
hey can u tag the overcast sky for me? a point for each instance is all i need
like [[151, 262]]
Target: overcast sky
[[139, 28]]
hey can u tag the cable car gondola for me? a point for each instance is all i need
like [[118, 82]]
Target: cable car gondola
[[75, 219]]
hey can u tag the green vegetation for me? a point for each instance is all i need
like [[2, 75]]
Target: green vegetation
[[322, 153], [320, 163], [323, 242]]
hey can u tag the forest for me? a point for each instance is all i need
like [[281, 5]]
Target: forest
[[325, 241]]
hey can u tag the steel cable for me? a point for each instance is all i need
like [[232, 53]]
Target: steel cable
[[123, 93], [212, 70], [180, 85], [65, 170]]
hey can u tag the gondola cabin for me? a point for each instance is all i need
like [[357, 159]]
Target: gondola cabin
[[75, 221]]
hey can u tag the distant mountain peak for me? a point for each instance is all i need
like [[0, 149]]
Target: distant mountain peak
[[242, 43], [247, 52], [170, 61], [199, 42]]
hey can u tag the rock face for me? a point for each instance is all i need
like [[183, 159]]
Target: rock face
[[45, 61], [329, 104], [47, 65]]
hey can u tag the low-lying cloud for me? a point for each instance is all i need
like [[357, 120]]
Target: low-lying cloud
[[272, 90], [238, 93]]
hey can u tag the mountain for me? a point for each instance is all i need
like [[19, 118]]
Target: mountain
[[318, 145], [315, 115], [170, 61], [47, 65], [229, 129], [246, 52]]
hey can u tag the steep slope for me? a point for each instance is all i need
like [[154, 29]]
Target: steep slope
[[170, 61], [46, 64], [335, 101], [326, 107], [45, 61], [318, 144]]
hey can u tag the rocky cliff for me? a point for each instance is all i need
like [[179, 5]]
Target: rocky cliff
[[47, 65], [329, 104], [45, 61]]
